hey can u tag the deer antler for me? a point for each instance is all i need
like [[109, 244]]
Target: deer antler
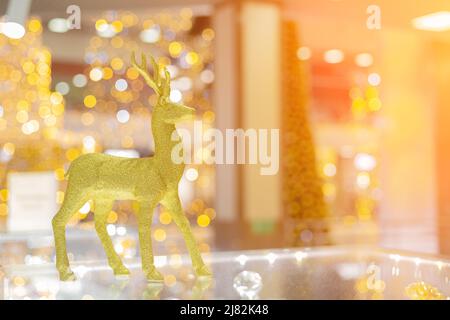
[[160, 86]]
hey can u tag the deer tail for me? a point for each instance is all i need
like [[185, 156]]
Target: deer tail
[[66, 175]]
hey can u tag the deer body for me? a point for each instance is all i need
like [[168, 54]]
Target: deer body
[[149, 181], [97, 174]]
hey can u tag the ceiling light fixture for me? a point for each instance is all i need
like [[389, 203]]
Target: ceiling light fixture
[[333, 56], [12, 24], [438, 21]]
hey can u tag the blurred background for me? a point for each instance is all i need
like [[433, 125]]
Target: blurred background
[[358, 91]]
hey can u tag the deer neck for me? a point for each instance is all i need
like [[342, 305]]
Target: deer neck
[[162, 135]]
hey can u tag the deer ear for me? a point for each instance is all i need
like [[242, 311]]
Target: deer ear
[[166, 85]]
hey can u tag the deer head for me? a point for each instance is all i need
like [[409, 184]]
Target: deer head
[[168, 111]]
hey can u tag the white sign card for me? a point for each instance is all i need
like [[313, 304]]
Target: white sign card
[[31, 200]]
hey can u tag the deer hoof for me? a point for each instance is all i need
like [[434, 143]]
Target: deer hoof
[[154, 275], [67, 275], [203, 271], [121, 272]]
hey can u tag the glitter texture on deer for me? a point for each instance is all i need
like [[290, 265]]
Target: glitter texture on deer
[[148, 181]]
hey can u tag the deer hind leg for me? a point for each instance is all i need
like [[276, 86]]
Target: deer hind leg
[[172, 202], [72, 203], [145, 217], [102, 209]]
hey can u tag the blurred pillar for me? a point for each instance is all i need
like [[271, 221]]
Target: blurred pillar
[[260, 52], [407, 213], [225, 101], [247, 96], [441, 55], [226, 105]]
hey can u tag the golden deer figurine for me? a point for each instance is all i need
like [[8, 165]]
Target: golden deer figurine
[[148, 181]]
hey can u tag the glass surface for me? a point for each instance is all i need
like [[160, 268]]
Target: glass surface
[[84, 245], [319, 273]]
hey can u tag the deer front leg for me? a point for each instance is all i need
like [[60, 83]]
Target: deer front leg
[[172, 202], [145, 217]]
